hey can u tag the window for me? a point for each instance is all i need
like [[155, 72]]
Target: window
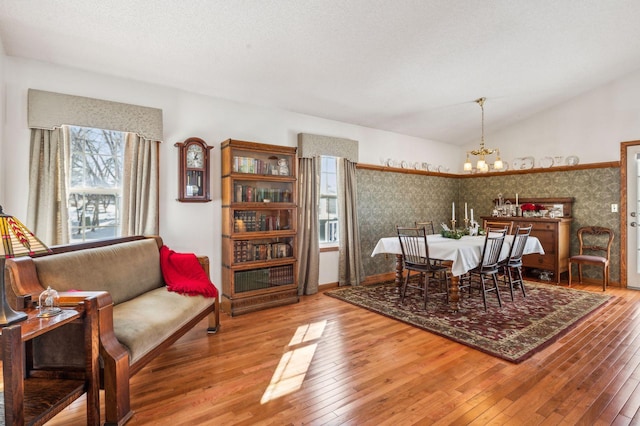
[[95, 187], [328, 208]]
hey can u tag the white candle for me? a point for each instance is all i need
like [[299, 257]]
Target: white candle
[[465, 212], [471, 215], [453, 211], [516, 198]]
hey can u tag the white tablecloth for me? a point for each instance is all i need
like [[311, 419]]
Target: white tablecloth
[[465, 252]]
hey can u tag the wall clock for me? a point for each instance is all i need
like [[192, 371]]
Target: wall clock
[[194, 178]]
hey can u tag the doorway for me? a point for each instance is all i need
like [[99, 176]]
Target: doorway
[[630, 214]]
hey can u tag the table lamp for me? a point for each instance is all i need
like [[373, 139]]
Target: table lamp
[[17, 241]]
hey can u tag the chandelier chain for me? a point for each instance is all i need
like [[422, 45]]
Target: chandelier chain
[[482, 150]]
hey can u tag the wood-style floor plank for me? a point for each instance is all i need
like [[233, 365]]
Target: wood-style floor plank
[[350, 366]]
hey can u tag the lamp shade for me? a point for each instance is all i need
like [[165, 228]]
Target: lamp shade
[[17, 240]]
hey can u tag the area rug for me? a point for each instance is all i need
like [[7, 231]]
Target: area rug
[[514, 332]]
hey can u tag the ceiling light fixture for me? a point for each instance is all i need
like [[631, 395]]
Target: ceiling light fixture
[[482, 165]]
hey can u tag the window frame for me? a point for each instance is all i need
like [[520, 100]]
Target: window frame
[[78, 232], [330, 222]]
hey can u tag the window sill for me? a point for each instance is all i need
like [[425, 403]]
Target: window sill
[[327, 247]]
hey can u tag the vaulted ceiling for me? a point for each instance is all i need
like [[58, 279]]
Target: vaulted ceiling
[[409, 66]]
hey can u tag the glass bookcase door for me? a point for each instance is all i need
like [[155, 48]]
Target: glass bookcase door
[[262, 163], [258, 250], [263, 278], [251, 191], [263, 220]]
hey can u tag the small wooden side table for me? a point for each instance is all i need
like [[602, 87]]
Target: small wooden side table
[[33, 397]]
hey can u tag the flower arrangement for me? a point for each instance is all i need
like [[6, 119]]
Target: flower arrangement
[[530, 207], [455, 234]]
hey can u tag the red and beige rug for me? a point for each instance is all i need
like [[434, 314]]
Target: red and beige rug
[[514, 332]]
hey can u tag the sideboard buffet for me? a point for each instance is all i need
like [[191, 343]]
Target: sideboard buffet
[[554, 235]]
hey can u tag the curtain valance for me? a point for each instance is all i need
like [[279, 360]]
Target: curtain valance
[[315, 145], [48, 110]]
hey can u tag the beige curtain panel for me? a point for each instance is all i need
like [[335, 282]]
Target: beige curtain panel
[[140, 187], [351, 270], [308, 246], [47, 216]]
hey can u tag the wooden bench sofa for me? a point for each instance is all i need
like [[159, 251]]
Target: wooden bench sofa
[[144, 319]]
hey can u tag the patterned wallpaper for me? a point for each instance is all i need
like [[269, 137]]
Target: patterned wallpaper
[[388, 198]]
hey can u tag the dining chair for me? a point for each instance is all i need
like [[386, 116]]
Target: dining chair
[[499, 225], [430, 230], [415, 257], [428, 225], [512, 265], [489, 265], [595, 249]]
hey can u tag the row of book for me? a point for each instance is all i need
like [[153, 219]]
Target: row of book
[[257, 279], [256, 166], [248, 221], [251, 194], [247, 251]]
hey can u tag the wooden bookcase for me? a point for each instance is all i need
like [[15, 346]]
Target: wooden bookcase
[[259, 226]]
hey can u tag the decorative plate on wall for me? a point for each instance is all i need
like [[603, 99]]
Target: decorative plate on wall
[[528, 163], [572, 160], [517, 163], [546, 162]]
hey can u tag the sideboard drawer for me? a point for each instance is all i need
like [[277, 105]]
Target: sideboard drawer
[[541, 261], [547, 238]]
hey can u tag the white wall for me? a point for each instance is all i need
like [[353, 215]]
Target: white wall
[[2, 122], [193, 227], [590, 126]]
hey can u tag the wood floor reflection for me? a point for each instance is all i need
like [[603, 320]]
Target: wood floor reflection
[[323, 361]]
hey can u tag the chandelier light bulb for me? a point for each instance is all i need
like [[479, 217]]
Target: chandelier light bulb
[[467, 165]]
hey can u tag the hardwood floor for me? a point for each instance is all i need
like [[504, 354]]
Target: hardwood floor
[[331, 363]]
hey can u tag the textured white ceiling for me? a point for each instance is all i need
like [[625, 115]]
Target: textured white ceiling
[[409, 66]]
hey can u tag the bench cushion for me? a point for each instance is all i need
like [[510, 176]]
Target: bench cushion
[[139, 324], [125, 270]]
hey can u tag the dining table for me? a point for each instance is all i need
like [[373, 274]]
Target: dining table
[[463, 254]]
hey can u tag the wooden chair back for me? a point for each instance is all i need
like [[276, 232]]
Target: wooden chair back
[[592, 242], [491, 251], [415, 251], [520, 237], [428, 225], [488, 224]]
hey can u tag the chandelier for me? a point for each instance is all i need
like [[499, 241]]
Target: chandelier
[[481, 153]]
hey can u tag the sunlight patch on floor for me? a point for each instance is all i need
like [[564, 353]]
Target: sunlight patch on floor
[[294, 364]]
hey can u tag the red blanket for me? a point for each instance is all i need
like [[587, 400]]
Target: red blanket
[[183, 274]]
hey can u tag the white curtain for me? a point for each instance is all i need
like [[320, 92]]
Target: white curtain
[[140, 187], [351, 271], [308, 244], [47, 213]]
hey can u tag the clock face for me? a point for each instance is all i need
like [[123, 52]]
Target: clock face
[[195, 156]]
